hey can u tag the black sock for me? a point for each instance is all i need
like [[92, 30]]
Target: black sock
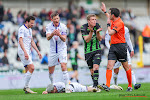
[[95, 78], [78, 81], [71, 79]]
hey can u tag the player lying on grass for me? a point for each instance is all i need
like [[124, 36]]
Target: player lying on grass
[[59, 87]]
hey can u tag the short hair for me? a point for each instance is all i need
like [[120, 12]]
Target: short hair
[[115, 11], [29, 18], [54, 14], [90, 15]]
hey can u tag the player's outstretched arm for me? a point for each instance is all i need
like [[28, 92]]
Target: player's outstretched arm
[[35, 47]]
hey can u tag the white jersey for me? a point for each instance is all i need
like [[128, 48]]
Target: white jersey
[[60, 86], [26, 34], [56, 44], [127, 38], [73, 86]]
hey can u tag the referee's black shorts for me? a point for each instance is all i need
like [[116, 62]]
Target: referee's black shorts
[[118, 52]]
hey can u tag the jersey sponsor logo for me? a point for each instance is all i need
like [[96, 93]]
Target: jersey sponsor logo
[[98, 57]]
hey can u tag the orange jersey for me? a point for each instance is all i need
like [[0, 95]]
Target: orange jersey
[[119, 36]]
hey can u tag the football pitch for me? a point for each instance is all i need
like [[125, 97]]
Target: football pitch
[[18, 94]]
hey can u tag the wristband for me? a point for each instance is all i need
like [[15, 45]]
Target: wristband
[[108, 24], [105, 12]]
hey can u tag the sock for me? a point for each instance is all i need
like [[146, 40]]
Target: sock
[[27, 78], [78, 81], [115, 76], [71, 78], [129, 77], [108, 77], [51, 77], [66, 77], [133, 78], [95, 78]]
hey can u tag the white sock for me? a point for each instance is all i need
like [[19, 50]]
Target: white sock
[[51, 77], [27, 78], [115, 76], [133, 78], [65, 77]]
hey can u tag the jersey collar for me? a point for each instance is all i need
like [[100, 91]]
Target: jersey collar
[[25, 26], [58, 25]]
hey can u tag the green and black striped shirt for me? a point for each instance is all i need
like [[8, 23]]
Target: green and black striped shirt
[[94, 44]]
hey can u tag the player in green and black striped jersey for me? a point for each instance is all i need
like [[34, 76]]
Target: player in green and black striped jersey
[[74, 55], [91, 35]]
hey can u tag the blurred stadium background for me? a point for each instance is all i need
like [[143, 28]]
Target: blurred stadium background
[[135, 14]]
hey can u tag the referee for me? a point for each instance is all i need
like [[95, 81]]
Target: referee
[[118, 48]]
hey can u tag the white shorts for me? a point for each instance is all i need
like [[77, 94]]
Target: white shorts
[[76, 87], [24, 61], [118, 64], [56, 58]]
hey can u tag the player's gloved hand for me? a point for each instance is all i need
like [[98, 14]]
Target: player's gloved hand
[[26, 56]]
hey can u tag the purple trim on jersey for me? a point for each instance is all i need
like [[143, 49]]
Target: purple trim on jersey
[[25, 26], [56, 41], [63, 33], [56, 27], [87, 88]]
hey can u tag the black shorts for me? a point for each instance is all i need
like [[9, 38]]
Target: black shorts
[[75, 67], [93, 58], [118, 52]]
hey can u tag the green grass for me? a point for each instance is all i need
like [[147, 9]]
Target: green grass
[[18, 94]]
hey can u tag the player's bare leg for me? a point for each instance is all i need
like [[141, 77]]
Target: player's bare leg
[[29, 70], [51, 71], [77, 76]]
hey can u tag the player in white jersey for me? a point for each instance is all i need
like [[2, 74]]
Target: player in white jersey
[[59, 87], [25, 42], [129, 56], [56, 33]]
